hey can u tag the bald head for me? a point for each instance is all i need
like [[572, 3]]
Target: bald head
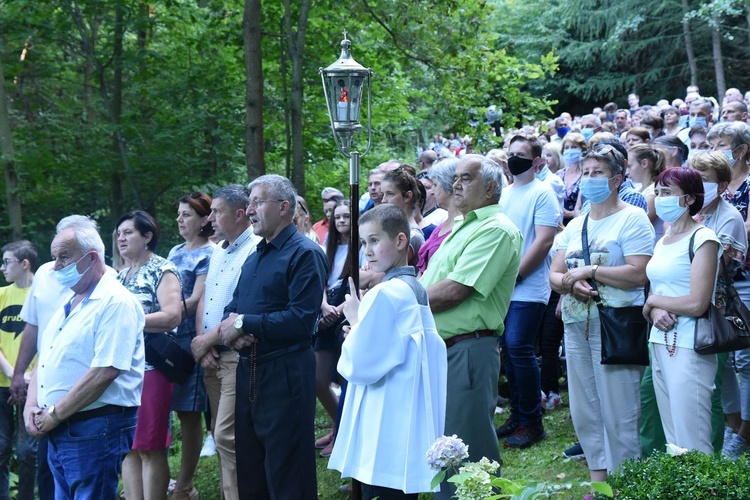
[[389, 166], [426, 160], [733, 95]]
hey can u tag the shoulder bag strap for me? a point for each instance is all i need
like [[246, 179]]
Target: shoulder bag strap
[[587, 256]]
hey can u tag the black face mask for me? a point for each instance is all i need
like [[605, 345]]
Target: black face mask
[[518, 165]]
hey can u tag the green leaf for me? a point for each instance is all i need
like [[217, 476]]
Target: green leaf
[[439, 477]]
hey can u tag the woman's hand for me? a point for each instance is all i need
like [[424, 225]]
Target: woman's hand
[[582, 291], [329, 315], [662, 320], [576, 274]]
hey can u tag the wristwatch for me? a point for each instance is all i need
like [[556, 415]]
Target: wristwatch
[[238, 322], [51, 412]]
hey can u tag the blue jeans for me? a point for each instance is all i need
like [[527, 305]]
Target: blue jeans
[[521, 326], [44, 480], [86, 457], [11, 433]]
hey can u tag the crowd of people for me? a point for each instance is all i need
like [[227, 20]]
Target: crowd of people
[[469, 265]]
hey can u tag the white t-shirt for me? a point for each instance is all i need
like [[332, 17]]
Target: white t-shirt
[[533, 204], [437, 216], [558, 186], [669, 273], [622, 234], [339, 259]]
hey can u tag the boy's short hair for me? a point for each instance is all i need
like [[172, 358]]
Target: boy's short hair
[[390, 217], [23, 250]]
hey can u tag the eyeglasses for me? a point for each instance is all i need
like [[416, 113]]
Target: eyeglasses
[[7, 262], [256, 203], [423, 175]]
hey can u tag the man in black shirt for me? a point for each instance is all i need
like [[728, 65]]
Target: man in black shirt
[[270, 320]]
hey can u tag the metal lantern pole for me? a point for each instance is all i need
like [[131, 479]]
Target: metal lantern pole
[[344, 83]]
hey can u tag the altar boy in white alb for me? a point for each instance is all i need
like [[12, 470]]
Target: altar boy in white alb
[[396, 366]]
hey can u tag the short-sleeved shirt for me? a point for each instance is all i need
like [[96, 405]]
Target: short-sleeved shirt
[[740, 199], [623, 234], [223, 273], [190, 264], [533, 204], [484, 253], [46, 296], [11, 324], [669, 273], [144, 283], [104, 330]]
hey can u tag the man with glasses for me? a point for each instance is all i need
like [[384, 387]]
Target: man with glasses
[[18, 266], [270, 320], [87, 385], [330, 197]]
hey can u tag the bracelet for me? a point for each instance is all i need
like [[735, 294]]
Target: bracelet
[[593, 271]]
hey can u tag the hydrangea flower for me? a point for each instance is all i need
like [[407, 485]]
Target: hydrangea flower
[[477, 478], [447, 451]]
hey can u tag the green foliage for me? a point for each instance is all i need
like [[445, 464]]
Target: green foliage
[[693, 475]]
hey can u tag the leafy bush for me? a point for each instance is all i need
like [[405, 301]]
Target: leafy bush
[[693, 475]]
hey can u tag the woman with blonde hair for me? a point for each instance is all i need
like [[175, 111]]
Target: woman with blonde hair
[[645, 163], [574, 146]]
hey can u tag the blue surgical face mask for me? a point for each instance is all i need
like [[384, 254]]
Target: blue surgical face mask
[[698, 120], [596, 189], [561, 131], [730, 156], [542, 174], [572, 155], [611, 117], [69, 276], [710, 192], [587, 133], [668, 208]]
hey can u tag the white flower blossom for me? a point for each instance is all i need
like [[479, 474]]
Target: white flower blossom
[[447, 451]]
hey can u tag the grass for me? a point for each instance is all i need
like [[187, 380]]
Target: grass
[[542, 462]]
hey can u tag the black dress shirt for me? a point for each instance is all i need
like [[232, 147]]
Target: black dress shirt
[[280, 291]]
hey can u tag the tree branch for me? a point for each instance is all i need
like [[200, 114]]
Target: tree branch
[[428, 62]]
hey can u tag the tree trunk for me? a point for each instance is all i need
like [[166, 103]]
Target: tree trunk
[[117, 197], [9, 166], [296, 43], [254, 157], [285, 93], [747, 18], [692, 63], [721, 85]]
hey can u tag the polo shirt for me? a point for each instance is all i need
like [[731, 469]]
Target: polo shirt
[[483, 252]]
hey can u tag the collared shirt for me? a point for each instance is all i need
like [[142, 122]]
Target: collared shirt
[[223, 274], [46, 296], [280, 290], [104, 330], [483, 252]]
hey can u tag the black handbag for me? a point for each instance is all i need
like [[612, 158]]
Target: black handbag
[[166, 355], [716, 332], [624, 330]]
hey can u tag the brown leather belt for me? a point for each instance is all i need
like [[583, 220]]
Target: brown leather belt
[[467, 336]]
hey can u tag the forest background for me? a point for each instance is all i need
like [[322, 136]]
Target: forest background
[[111, 105]]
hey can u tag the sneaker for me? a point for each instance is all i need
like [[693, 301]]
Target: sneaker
[[209, 447], [525, 436], [553, 400], [324, 441], [727, 436], [734, 447], [574, 452], [508, 428]]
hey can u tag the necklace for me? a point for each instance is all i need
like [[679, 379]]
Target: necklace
[[673, 348]]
